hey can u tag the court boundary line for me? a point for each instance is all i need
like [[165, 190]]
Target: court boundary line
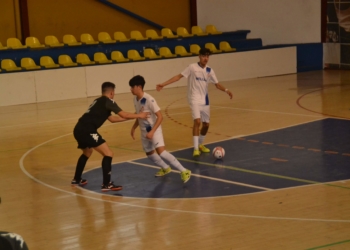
[[272, 112], [158, 208], [316, 112], [163, 209], [207, 177], [213, 197], [217, 107]]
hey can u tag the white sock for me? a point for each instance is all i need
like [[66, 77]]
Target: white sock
[[201, 139], [195, 142], [157, 160], [165, 155]]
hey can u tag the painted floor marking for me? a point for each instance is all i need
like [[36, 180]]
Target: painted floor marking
[[208, 177], [158, 208], [263, 173], [252, 140], [278, 159], [267, 111], [329, 245]]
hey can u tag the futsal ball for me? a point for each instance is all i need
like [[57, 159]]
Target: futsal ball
[[219, 152]]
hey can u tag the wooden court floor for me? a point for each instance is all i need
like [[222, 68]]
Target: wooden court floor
[[38, 156]]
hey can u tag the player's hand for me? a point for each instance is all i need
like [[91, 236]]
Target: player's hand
[[144, 115], [132, 133], [150, 135], [229, 93], [159, 87]]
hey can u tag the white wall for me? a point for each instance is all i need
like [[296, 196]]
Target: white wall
[[78, 82], [274, 21]]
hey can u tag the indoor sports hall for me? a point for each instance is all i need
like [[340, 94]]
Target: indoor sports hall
[[284, 180]]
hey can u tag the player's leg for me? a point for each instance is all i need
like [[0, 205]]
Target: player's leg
[[149, 148], [77, 180], [205, 118], [158, 141], [195, 130], [107, 153], [157, 160], [166, 156], [83, 139]]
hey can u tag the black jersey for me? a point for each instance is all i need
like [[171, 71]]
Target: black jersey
[[12, 241], [98, 113]]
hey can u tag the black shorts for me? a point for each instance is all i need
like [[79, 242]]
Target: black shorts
[[87, 139]]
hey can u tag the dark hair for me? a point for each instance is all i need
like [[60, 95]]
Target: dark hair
[[204, 51], [137, 81], [107, 86]]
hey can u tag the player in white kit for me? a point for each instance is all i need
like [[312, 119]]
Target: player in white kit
[[151, 131], [199, 75]]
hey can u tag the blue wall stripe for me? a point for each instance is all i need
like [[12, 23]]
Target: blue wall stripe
[[127, 12]]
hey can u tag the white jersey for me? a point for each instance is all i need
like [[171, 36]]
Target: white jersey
[[197, 86], [147, 104]]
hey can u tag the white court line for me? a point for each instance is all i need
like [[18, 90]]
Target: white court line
[[34, 123], [164, 209], [207, 177], [174, 114], [272, 112]]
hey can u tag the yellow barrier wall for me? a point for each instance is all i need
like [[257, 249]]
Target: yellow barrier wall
[[7, 20], [61, 17]]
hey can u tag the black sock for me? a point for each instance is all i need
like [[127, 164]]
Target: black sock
[[80, 167], [106, 169]]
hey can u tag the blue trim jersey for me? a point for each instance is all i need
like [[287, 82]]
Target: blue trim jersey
[[147, 104], [198, 80]]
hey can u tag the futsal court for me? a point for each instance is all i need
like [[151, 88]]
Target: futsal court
[[312, 153], [283, 183]]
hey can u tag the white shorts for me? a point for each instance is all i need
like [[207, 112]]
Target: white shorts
[[200, 111], [156, 142]]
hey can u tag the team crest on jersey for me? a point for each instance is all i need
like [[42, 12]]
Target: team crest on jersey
[[95, 137]]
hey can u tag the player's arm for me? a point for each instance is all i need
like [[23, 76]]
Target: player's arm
[[112, 106], [170, 81], [114, 118], [222, 88], [133, 128], [156, 124], [127, 115]]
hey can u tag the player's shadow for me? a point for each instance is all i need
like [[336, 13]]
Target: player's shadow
[[157, 192]]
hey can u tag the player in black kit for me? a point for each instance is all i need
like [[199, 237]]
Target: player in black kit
[[85, 132]]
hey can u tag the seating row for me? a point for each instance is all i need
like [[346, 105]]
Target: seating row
[[83, 59], [104, 37]]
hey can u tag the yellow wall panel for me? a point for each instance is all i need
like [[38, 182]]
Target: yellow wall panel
[[7, 20], [61, 17]]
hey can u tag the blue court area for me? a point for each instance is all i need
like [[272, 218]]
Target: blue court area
[[311, 153]]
